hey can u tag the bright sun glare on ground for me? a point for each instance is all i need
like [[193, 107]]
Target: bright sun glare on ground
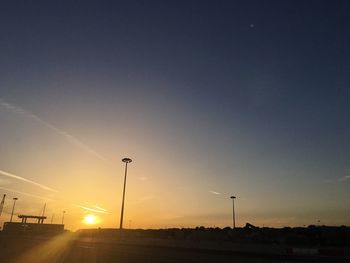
[[90, 219]]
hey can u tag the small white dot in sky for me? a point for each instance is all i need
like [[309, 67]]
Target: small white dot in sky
[[252, 25]]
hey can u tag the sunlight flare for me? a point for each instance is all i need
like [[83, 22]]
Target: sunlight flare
[[90, 219]]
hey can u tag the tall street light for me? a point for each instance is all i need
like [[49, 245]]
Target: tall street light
[[126, 161], [233, 212], [13, 207]]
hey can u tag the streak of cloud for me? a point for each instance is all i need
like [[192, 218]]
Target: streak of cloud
[[100, 208], [70, 138], [93, 210], [87, 204], [27, 181], [26, 194], [214, 193]]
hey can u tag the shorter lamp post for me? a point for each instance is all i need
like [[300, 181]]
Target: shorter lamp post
[[233, 212], [13, 207]]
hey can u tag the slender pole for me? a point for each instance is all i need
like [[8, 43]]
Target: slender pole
[[44, 210], [2, 204], [234, 216], [233, 212], [13, 207], [63, 212], [122, 212]]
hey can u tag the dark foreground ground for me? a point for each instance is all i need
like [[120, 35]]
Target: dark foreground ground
[[67, 248]]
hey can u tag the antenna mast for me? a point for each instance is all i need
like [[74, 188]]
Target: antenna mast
[[43, 214], [2, 204]]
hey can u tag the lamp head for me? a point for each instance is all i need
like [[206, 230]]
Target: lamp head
[[232, 197], [126, 160]]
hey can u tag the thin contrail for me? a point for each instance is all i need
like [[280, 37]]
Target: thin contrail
[[92, 209], [70, 138], [27, 180], [100, 208]]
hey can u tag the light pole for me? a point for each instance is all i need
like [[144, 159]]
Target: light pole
[[13, 207], [233, 212], [126, 161], [63, 212]]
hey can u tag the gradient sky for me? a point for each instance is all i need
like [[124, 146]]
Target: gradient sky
[[209, 99]]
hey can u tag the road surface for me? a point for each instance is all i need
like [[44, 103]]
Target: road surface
[[66, 250]]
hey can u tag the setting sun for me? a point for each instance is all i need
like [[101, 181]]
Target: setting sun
[[90, 219]]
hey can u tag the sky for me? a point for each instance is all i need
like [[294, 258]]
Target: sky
[[208, 98]]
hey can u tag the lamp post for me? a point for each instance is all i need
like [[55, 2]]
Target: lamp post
[[126, 161], [13, 207], [233, 211], [63, 212]]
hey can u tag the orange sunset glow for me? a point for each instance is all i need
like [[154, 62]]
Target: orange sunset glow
[[205, 108], [205, 131]]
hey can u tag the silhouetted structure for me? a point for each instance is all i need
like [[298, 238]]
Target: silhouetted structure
[[32, 228], [39, 218]]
